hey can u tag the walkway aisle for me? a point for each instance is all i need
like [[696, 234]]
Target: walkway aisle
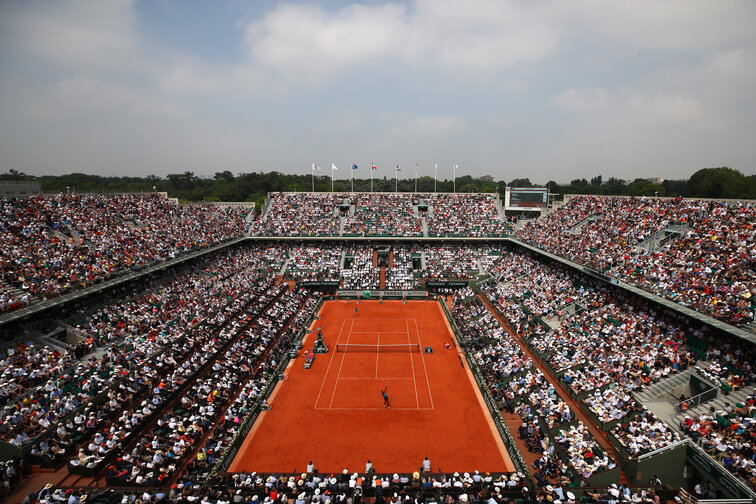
[[383, 277], [574, 406], [514, 422]]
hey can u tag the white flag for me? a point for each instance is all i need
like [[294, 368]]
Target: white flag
[[315, 167], [333, 166]]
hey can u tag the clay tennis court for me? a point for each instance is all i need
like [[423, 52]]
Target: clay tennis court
[[333, 413]]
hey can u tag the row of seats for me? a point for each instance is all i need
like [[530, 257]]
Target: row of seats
[[698, 253], [53, 244]]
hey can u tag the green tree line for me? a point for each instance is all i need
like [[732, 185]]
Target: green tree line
[[720, 182]]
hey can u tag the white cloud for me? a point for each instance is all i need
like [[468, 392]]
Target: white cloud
[[404, 125], [580, 100], [682, 25], [85, 96], [626, 106], [86, 36], [304, 45], [547, 83], [308, 43]]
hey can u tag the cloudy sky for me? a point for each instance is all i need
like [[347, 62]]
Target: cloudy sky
[[508, 88]]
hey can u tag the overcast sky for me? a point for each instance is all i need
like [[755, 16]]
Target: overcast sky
[[529, 88]]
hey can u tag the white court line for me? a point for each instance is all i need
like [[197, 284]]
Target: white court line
[[341, 365], [412, 362], [333, 354], [368, 378], [384, 332], [422, 354], [384, 319], [373, 409], [377, 355]]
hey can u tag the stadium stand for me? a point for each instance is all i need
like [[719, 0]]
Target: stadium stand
[[464, 215], [154, 387], [381, 214], [696, 253], [56, 244]]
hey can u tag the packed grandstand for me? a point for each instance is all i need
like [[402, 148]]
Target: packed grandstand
[[612, 339]]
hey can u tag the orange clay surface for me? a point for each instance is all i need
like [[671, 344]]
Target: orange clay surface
[[333, 413]]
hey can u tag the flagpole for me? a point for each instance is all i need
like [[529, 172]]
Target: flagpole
[[415, 177], [312, 173], [352, 177], [455, 178], [371, 176], [435, 177], [332, 167], [396, 179]]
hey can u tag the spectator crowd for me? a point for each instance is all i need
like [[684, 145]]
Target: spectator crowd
[[54, 244], [696, 253]]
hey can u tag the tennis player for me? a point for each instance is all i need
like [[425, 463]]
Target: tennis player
[[386, 403]]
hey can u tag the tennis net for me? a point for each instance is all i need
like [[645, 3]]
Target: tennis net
[[401, 348]]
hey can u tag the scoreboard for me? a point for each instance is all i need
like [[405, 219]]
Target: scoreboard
[[518, 198]]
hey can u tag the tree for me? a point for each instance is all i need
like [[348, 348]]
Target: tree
[[675, 187], [579, 182], [487, 187], [524, 182], [719, 182], [13, 174], [186, 180], [643, 187], [596, 181], [224, 175], [615, 186], [553, 187]]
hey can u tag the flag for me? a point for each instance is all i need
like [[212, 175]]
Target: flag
[[397, 168], [354, 166], [315, 167], [374, 168], [333, 166]]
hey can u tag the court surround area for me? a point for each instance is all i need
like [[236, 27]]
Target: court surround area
[[333, 413]]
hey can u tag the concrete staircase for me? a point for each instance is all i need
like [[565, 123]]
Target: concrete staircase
[[577, 227], [750, 326], [17, 293], [661, 389], [661, 237], [266, 205], [499, 206], [283, 267], [718, 403], [661, 397], [522, 223]]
